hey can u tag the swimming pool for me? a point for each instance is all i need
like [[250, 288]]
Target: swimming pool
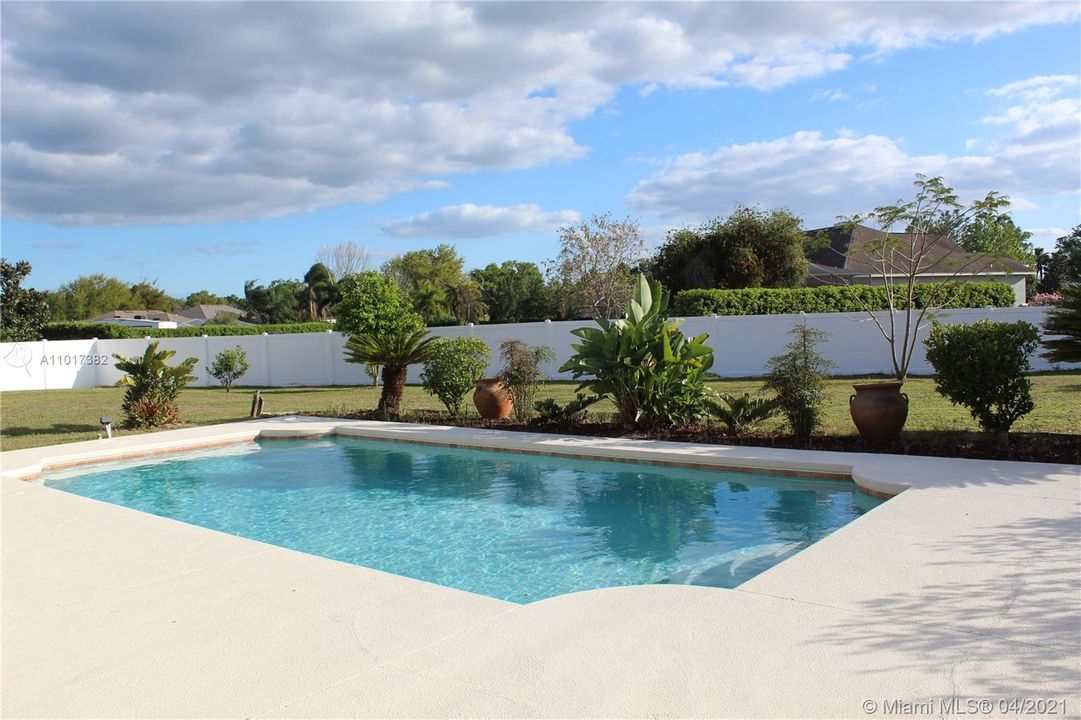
[[511, 526]]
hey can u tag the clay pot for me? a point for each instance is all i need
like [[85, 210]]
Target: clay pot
[[879, 410], [492, 400]]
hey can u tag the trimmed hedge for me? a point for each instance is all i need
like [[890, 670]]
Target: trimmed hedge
[[112, 331], [833, 298]]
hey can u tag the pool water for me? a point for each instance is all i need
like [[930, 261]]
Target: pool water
[[507, 525]]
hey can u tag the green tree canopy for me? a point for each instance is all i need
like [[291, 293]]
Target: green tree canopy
[[88, 296], [1064, 266], [426, 276], [998, 236], [204, 297], [514, 292], [373, 304], [594, 269], [279, 302], [749, 248], [320, 292], [22, 311]]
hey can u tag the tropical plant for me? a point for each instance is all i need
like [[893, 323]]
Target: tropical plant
[[153, 386], [798, 377], [551, 413], [395, 351], [740, 413], [983, 366], [1063, 266], [1063, 326], [452, 368], [276, 303], [654, 375], [23, 311], [229, 366], [522, 374]]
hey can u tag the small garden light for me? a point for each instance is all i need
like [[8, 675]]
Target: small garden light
[[107, 426]]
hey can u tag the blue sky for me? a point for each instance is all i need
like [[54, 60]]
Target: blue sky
[[162, 147]]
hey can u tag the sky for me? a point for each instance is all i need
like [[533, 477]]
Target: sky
[[199, 145]]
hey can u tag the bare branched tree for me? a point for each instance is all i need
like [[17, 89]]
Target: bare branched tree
[[345, 258], [908, 250], [595, 264]]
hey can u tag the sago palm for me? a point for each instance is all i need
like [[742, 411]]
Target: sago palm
[[395, 351]]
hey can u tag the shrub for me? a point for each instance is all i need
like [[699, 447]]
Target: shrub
[[229, 366], [112, 331], [1064, 325], [982, 366], [654, 375], [395, 351], [522, 374], [798, 377], [742, 413], [1045, 299], [552, 413], [374, 304], [452, 368], [153, 387], [835, 298]]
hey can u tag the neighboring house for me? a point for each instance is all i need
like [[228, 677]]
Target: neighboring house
[[849, 258], [201, 314], [141, 318]]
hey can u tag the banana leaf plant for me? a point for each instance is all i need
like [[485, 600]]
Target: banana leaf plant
[[654, 374]]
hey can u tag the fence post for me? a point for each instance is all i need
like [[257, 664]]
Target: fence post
[[206, 360], [44, 365], [266, 357], [329, 345]]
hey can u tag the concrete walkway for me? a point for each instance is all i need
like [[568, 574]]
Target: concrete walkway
[[966, 585]]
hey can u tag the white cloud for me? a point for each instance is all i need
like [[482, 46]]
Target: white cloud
[[1038, 152], [831, 95], [166, 112], [1045, 237], [476, 221]]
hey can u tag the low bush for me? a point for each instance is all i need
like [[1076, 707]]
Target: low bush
[[835, 298], [111, 331], [798, 377], [983, 366], [153, 387], [229, 366], [740, 413], [522, 374], [452, 368], [552, 413]]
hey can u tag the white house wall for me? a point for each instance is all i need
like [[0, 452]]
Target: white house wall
[[742, 346]]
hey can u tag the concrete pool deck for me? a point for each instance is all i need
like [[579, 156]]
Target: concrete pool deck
[[966, 585]]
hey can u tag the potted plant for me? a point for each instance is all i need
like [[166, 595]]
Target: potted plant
[[914, 240]]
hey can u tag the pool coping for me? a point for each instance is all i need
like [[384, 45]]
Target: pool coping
[[879, 475], [901, 603]]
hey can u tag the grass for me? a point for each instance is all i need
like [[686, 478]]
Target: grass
[[44, 417]]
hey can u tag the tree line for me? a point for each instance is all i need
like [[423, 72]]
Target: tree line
[[591, 276]]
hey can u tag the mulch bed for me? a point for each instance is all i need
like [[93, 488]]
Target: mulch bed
[[1031, 447]]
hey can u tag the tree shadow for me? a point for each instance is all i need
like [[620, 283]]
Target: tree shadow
[[54, 429], [1014, 631]]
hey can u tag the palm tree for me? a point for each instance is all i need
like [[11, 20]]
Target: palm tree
[[395, 351], [1042, 258], [430, 301], [320, 291], [466, 301]]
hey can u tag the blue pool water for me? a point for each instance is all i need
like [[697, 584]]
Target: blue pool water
[[510, 526]]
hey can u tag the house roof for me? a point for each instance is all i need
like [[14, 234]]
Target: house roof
[[157, 315], [206, 312], [853, 252]]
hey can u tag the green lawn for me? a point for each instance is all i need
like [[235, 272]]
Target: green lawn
[[44, 417]]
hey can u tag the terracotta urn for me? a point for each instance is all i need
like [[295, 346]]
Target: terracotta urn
[[879, 410], [492, 400]]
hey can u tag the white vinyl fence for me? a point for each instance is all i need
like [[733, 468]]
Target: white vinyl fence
[[741, 345]]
